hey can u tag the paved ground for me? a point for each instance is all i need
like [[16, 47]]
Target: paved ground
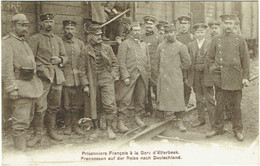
[[225, 145]]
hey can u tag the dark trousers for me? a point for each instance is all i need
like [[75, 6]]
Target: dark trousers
[[223, 98], [73, 98], [187, 92], [149, 105], [204, 98]]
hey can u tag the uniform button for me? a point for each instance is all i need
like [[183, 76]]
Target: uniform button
[[221, 59], [219, 45], [220, 52], [165, 75]]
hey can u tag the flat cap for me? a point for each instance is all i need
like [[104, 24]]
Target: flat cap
[[69, 23], [47, 16], [228, 17], [94, 29], [21, 18], [215, 22], [199, 26], [161, 24], [127, 20], [169, 28], [149, 18], [184, 18]]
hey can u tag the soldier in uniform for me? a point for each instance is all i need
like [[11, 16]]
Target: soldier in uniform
[[173, 58], [50, 56], [73, 97], [20, 83], [201, 79], [98, 69], [134, 67], [185, 37], [160, 27], [152, 39], [228, 60], [214, 28]]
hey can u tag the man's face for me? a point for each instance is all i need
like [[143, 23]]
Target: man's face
[[48, 25], [21, 29], [69, 31], [136, 32], [184, 26], [200, 34], [149, 26], [161, 31], [214, 30], [96, 38], [170, 36], [228, 26]]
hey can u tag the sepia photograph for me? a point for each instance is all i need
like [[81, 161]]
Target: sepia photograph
[[130, 83]]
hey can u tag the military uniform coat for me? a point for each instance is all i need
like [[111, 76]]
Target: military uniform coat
[[193, 51], [88, 75], [153, 40], [73, 48], [228, 61], [44, 46], [134, 60], [16, 53], [173, 58]]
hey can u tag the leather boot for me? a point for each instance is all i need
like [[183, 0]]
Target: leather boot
[[120, 124], [181, 126], [96, 132], [110, 132], [20, 142], [139, 121], [51, 121], [38, 130], [67, 120], [75, 126]]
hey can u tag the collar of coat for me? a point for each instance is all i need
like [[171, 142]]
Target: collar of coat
[[149, 33], [49, 34], [205, 45], [19, 38], [68, 40], [91, 51]]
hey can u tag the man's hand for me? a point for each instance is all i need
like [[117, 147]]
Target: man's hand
[[153, 96], [14, 95], [56, 60], [86, 90], [245, 82], [185, 81], [127, 81], [118, 39]]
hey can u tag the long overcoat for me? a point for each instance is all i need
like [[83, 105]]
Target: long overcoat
[[173, 58]]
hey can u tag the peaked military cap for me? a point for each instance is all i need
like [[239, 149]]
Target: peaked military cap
[[69, 23], [149, 18], [163, 22], [184, 18], [169, 28], [215, 22], [95, 29], [127, 20], [48, 16], [228, 17], [21, 18], [199, 26]]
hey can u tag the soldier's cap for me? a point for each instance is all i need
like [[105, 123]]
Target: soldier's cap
[[163, 22], [69, 23], [135, 24], [199, 26], [47, 16], [94, 29], [225, 17], [169, 28], [148, 19], [20, 18], [184, 18], [127, 20], [215, 22]]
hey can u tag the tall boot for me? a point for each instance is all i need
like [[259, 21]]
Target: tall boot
[[67, 120], [20, 141], [110, 132], [75, 126], [138, 120], [38, 130], [120, 124], [51, 121], [96, 132]]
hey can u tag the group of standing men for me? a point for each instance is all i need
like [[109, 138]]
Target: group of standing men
[[164, 67]]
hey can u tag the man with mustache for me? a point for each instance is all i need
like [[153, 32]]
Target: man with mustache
[[135, 68], [214, 27], [20, 83], [50, 56], [152, 39], [228, 61], [160, 27], [185, 37], [173, 58], [98, 69], [72, 95]]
